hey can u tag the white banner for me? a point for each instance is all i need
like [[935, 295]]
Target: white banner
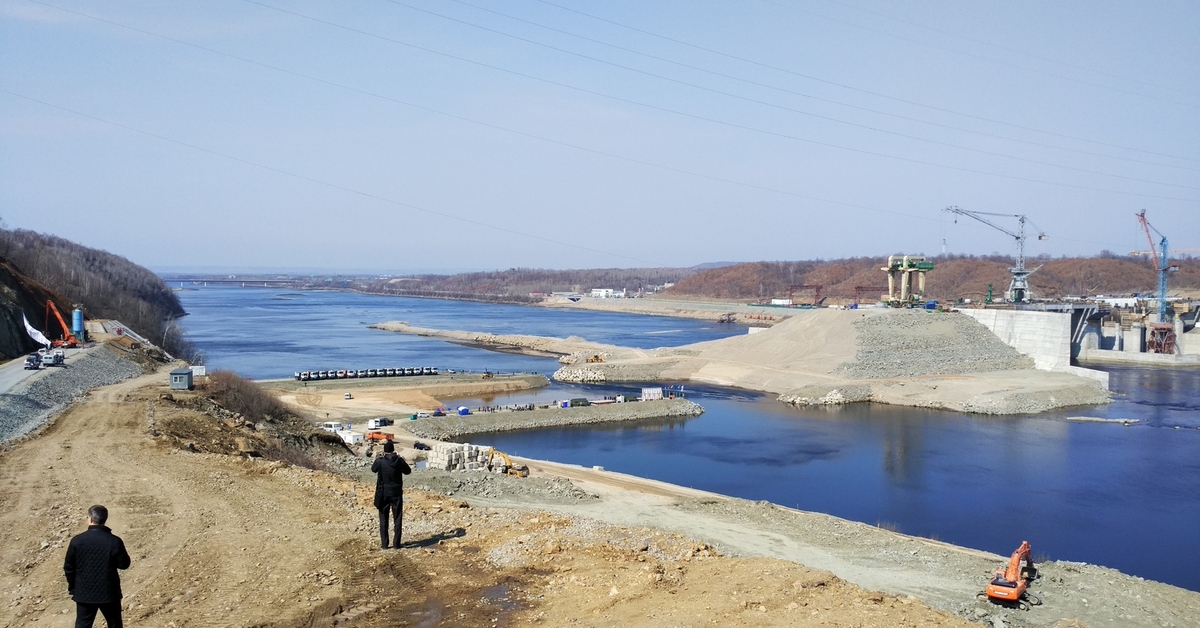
[[33, 333]]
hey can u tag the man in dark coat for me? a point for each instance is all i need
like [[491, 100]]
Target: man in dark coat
[[389, 486], [93, 559]]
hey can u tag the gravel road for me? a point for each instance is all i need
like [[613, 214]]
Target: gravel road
[[30, 403], [449, 427]]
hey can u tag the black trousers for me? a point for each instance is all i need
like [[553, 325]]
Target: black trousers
[[396, 506], [85, 614]]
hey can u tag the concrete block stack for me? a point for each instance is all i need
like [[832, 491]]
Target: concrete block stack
[[458, 457]]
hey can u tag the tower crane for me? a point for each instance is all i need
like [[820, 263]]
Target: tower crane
[[1159, 257], [1018, 288]]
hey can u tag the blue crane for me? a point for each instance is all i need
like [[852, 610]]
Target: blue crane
[[1160, 263]]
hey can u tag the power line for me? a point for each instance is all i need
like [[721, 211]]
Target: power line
[[982, 58], [1014, 50], [699, 117], [786, 90], [789, 109], [857, 89], [489, 125]]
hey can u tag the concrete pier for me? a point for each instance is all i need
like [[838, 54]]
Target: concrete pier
[[1044, 336]]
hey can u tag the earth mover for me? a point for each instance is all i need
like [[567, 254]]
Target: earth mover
[[506, 465], [1011, 584]]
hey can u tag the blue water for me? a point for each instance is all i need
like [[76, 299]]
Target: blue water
[[1124, 497]]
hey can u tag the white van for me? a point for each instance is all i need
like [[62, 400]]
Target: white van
[[332, 426]]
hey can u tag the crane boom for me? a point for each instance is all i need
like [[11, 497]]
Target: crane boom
[[68, 338], [1159, 257], [1018, 288]]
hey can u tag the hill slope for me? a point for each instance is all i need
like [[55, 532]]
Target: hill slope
[[951, 279], [45, 267]]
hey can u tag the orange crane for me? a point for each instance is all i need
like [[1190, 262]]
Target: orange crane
[[1012, 583], [68, 338]]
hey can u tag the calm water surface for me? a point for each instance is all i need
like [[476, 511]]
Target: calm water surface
[[1124, 497]]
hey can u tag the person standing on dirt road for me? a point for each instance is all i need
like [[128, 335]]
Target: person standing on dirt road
[[93, 558], [389, 488]]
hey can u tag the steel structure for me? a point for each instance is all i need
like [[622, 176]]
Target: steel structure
[[1159, 256], [906, 279], [1018, 288]]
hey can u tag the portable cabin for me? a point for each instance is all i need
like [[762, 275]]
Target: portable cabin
[[181, 379]]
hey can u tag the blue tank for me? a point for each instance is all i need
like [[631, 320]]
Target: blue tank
[[77, 323]]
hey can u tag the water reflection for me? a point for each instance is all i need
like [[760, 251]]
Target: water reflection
[[902, 450]]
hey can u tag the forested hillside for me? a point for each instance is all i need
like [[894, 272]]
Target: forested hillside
[[516, 284], [953, 277], [105, 285]]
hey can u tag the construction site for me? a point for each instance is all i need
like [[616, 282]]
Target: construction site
[[1154, 326]]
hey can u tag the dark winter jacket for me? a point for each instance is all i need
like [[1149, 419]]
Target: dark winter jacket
[[389, 483], [93, 559]]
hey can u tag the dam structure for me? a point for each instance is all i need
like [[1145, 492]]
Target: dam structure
[[1063, 336]]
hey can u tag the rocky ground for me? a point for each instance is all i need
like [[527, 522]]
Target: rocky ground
[[230, 540], [914, 343], [449, 427]]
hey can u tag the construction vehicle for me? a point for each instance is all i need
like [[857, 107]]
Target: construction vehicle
[[595, 358], [505, 465], [376, 435], [1011, 584], [487, 375], [68, 338]]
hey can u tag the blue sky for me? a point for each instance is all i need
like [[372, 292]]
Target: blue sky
[[409, 135]]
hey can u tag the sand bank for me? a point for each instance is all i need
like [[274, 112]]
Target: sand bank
[[828, 357]]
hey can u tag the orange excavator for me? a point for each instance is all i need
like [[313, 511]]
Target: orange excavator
[[68, 338], [1011, 585]]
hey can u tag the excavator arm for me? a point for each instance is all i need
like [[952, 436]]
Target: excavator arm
[[68, 338], [1013, 572], [1011, 582]]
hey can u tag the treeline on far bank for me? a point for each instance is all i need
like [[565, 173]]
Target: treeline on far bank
[[517, 284], [954, 277], [104, 284]]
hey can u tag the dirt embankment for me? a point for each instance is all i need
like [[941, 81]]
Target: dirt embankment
[[395, 398], [533, 345], [226, 541], [449, 427], [827, 357]]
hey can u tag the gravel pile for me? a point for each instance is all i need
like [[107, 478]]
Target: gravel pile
[[585, 373], [912, 343], [494, 486], [450, 427], [29, 404]]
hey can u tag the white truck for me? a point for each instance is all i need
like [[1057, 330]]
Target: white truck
[[377, 423], [350, 437]]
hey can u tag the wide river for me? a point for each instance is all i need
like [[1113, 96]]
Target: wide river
[[1123, 497]]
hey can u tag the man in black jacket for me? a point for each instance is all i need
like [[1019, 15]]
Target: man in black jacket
[[93, 559], [389, 486]]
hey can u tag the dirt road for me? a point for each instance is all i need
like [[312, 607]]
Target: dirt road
[[225, 541]]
